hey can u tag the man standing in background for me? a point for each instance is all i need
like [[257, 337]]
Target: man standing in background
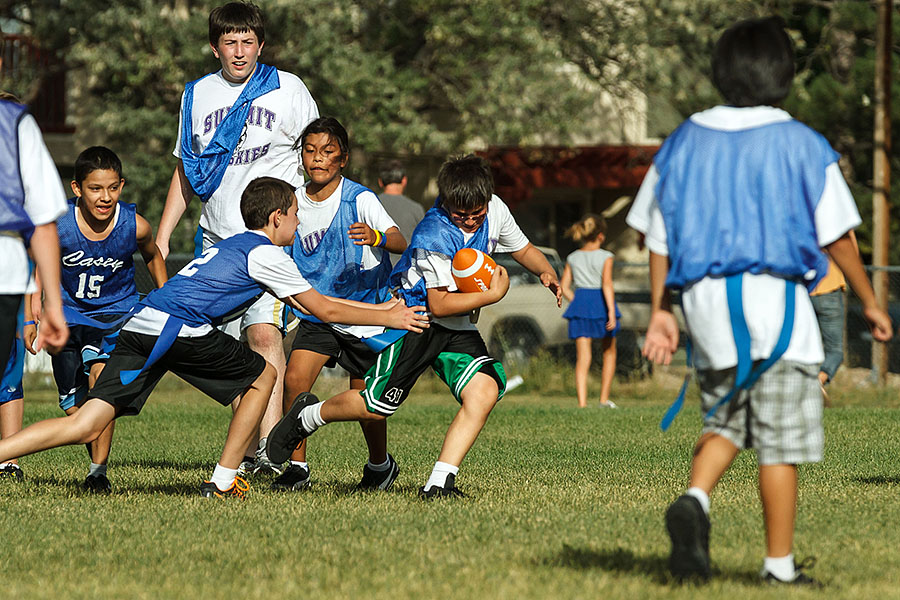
[[405, 212]]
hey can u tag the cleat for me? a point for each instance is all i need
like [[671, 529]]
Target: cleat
[[294, 479], [448, 491], [264, 465], [248, 466], [800, 579], [97, 484], [609, 404], [289, 432], [379, 480], [12, 471], [237, 490], [688, 528]]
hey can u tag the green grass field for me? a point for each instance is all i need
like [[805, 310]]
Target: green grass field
[[564, 503]]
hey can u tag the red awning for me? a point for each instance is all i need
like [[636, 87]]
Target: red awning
[[518, 171]]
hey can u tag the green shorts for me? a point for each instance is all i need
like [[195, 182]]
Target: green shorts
[[456, 356]]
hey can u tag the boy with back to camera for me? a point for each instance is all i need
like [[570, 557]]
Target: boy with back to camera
[[736, 208], [467, 214], [98, 237], [238, 124], [173, 329]]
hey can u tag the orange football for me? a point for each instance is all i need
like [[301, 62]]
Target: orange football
[[473, 270]]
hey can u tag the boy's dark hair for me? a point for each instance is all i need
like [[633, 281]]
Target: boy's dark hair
[[392, 172], [262, 197], [96, 158], [237, 17], [753, 62], [329, 126], [465, 183]]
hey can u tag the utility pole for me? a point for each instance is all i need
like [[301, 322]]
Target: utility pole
[[882, 175]]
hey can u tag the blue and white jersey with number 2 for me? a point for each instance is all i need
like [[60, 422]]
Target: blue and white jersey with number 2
[[98, 276], [215, 287]]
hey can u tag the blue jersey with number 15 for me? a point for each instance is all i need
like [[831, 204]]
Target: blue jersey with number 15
[[98, 276]]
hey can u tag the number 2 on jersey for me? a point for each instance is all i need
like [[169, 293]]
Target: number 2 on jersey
[[191, 268]]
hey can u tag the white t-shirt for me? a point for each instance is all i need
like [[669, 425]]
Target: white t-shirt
[[275, 122], [315, 219], [705, 303], [504, 235], [45, 202], [269, 265]]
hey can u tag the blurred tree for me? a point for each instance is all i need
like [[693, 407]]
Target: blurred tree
[[440, 76], [409, 76]]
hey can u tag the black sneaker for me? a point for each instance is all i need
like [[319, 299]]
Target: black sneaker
[[11, 471], [688, 528], [97, 484], [448, 491], [800, 579], [294, 479], [237, 490], [289, 432], [379, 480]]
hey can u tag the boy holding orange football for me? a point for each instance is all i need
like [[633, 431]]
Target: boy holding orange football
[[466, 215]]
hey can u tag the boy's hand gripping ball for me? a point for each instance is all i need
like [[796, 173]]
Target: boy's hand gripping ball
[[473, 270]]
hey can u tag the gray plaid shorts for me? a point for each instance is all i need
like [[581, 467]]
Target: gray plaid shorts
[[780, 416]]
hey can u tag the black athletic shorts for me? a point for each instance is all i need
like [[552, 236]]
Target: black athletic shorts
[[455, 356], [344, 349], [216, 364], [72, 365], [9, 322]]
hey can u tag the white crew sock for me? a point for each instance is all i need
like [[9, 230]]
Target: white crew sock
[[311, 417], [301, 464], [380, 467], [782, 568], [439, 475], [96, 470], [701, 497], [222, 477]]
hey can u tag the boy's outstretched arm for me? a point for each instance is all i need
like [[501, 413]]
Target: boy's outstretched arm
[[153, 258], [177, 200], [662, 331], [846, 256], [54, 332], [442, 303], [329, 310], [534, 260]]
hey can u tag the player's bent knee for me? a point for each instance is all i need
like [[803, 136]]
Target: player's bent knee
[[265, 339], [369, 416]]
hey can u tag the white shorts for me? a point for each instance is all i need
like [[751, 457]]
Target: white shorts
[[267, 309]]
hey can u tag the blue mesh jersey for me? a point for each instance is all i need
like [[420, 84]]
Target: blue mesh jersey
[[12, 193], [742, 201], [334, 267], [214, 288], [98, 276]]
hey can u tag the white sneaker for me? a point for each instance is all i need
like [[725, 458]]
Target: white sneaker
[[609, 404]]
